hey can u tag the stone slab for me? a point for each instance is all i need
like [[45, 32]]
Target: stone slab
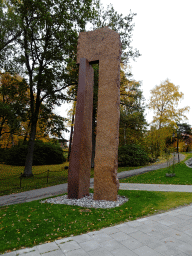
[[81, 150]]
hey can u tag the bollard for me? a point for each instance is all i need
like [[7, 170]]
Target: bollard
[[47, 175], [20, 179]]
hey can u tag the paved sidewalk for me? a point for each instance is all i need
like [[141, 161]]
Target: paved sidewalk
[[166, 234], [156, 187], [62, 188]]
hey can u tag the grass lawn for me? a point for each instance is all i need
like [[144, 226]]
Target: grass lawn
[[183, 175], [32, 223], [10, 181]]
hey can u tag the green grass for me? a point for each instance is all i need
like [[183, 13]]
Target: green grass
[[10, 181], [183, 175], [32, 223]]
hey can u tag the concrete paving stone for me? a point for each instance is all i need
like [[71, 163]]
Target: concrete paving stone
[[100, 237], [163, 214], [120, 236], [127, 229], [123, 251], [143, 219], [52, 253], [187, 211], [131, 243], [78, 252], [147, 221], [166, 249], [100, 252], [26, 250], [64, 240], [166, 222], [156, 244], [188, 232], [110, 245], [156, 235], [46, 247], [34, 253], [182, 236], [175, 219], [171, 232], [142, 237], [172, 242], [121, 225], [135, 223], [180, 227], [147, 228], [82, 238], [146, 251], [110, 230], [155, 217], [186, 248], [93, 233], [10, 254], [69, 246], [181, 254], [174, 212], [183, 222], [89, 245], [160, 228], [184, 216]]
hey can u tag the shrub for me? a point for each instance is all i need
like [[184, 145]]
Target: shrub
[[44, 154], [132, 155], [2, 154]]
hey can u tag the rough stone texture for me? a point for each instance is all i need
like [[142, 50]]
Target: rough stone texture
[[104, 46], [80, 158]]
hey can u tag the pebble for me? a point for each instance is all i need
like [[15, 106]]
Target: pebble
[[87, 201]]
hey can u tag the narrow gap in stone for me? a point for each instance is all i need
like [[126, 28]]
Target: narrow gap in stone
[[95, 104]]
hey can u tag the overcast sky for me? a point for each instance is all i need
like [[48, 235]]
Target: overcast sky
[[162, 34]]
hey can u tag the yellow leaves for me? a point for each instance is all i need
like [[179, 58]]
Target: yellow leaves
[[84, 210], [164, 101]]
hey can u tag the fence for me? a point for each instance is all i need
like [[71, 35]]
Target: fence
[[18, 180]]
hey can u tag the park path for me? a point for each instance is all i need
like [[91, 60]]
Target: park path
[[41, 193]]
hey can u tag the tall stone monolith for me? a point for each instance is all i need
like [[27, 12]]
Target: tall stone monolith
[[103, 46]]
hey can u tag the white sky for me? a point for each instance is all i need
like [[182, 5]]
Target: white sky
[[162, 34]]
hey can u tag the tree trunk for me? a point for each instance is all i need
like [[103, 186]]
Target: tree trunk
[[125, 136], [29, 158]]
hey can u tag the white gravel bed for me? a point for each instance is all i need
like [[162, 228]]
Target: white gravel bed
[[87, 201]]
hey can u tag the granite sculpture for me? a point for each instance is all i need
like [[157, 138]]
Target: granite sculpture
[[101, 46]]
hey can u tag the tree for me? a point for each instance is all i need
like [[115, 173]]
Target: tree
[[157, 140], [49, 32], [14, 114], [9, 31], [132, 119], [164, 102], [124, 26], [183, 134], [13, 104]]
